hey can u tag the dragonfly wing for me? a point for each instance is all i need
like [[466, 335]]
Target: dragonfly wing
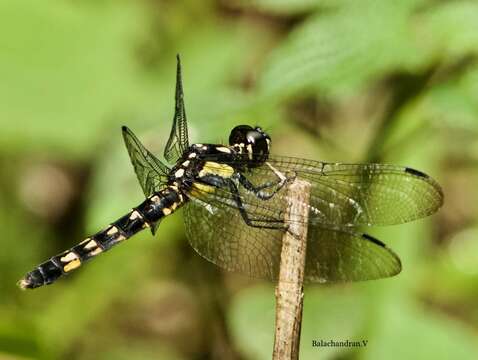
[[338, 255], [217, 231], [178, 141], [362, 194], [152, 174]]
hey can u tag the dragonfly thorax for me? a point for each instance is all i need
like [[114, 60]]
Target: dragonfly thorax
[[194, 161]]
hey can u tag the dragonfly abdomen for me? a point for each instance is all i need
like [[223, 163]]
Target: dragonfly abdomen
[[152, 210], [159, 205]]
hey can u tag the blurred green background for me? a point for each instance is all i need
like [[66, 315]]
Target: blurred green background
[[343, 80]]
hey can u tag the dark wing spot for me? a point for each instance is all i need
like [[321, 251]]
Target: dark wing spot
[[374, 240], [416, 172], [379, 243]]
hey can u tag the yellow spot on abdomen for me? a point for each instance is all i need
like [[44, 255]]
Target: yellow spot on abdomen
[[96, 251], [155, 198], [91, 245], [113, 230], [69, 257], [72, 265], [135, 215]]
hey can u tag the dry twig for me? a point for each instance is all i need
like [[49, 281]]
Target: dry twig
[[289, 290]]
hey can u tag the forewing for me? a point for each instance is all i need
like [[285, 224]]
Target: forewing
[[178, 139], [360, 194], [217, 231], [152, 174]]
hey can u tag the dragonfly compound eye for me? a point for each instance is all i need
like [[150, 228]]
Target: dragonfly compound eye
[[239, 135], [253, 141], [257, 147]]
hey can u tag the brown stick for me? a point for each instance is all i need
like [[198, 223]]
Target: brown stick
[[289, 290]]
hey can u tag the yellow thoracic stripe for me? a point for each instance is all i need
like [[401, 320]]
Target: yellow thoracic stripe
[[197, 189], [214, 168]]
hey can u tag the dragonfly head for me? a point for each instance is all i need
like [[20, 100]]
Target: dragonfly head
[[251, 141]]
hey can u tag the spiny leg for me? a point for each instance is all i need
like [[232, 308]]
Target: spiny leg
[[253, 222], [257, 190], [280, 181], [221, 182]]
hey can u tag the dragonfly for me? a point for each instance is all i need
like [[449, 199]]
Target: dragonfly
[[234, 198]]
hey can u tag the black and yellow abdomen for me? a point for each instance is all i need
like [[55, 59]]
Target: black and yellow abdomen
[[148, 213]]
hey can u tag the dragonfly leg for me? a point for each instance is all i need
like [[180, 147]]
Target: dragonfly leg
[[257, 190], [264, 223]]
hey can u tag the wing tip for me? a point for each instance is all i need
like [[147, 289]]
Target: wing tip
[[376, 241], [436, 186]]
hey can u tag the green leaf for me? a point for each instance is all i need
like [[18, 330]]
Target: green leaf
[[407, 331], [285, 7], [450, 28], [454, 104], [339, 51], [65, 68]]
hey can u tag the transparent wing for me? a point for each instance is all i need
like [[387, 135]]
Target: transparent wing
[[365, 194], [152, 174], [178, 139], [337, 255], [359, 194], [217, 231]]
